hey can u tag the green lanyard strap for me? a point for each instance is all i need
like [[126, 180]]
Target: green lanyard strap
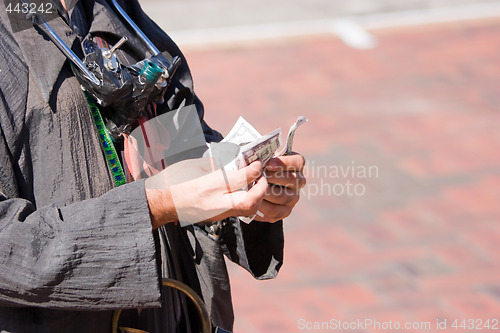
[[106, 143]]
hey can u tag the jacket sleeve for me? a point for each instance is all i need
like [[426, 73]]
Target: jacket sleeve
[[94, 254], [257, 246]]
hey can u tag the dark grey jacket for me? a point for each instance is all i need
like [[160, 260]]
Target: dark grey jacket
[[73, 247]]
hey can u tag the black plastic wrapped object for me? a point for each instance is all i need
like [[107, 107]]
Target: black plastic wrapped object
[[124, 91]]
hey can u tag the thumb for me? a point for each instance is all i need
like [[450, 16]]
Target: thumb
[[241, 178]]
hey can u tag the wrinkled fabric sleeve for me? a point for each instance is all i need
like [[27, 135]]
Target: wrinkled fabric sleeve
[[94, 254]]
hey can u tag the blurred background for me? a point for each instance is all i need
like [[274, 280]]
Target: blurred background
[[398, 227]]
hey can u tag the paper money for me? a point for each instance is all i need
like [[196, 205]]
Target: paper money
[[262, 149], [242, 133], [287, 149], [254, 146]]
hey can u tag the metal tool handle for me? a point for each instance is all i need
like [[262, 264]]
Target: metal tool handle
[[38, 20], [152, 48]]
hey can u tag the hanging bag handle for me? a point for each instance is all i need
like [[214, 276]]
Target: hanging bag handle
[[206, 327]]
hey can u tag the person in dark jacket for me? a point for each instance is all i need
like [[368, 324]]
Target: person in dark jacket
[[74, 247]]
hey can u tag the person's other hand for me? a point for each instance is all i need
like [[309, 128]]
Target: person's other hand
[[285, 178], [205, 195]]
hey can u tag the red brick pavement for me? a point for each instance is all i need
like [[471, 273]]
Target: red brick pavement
[[419, 241]]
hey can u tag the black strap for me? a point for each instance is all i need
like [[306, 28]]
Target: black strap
[[62, 12]]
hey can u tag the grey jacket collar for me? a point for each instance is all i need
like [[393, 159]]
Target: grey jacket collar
[[42, 56]]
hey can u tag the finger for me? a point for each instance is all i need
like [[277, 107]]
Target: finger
[[273, 212], [188, 169], [282, 195], [293, 162], [240, 178], [258, 191], [246, 203], [295, 180]]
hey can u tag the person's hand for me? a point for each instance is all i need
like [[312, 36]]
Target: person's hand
[[285, 178], [202, 194]]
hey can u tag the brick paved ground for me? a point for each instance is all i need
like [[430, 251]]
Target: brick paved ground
[[420, 240]]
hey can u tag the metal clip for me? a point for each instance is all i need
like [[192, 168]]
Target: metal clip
[[110, 60]]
